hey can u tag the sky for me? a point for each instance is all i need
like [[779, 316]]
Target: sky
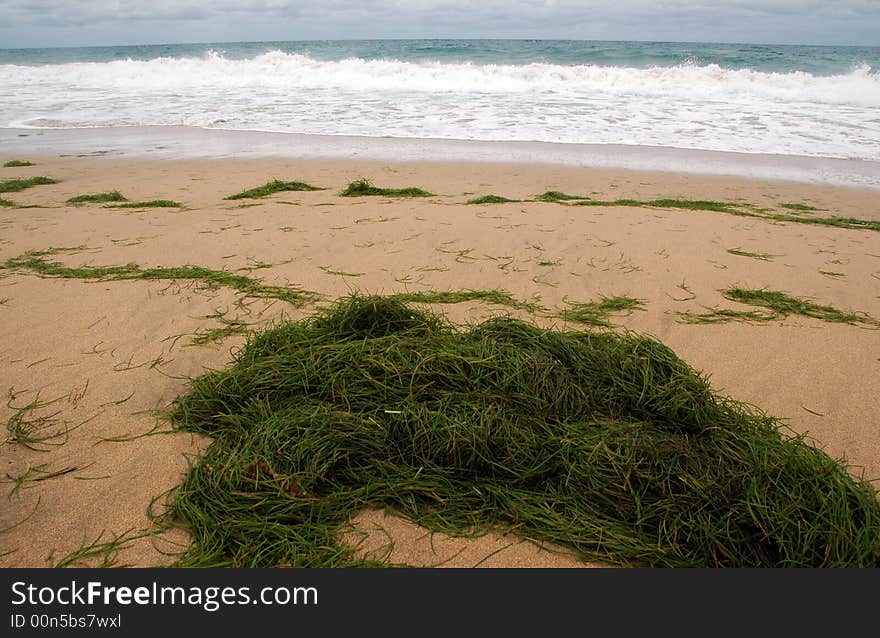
[[45, 23]]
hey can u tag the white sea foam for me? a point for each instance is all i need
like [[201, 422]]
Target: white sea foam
[[687, 106]]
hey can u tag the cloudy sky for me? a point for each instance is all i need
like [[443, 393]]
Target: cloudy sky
[[41, 23]]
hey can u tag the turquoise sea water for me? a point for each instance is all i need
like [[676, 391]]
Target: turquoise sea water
[[824, 60], [797, 100]]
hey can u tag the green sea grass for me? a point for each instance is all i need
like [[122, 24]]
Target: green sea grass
[[36, 262], [491, 199], [15, 185], [597, 313], [98, 198], [275, 186], [153, 203], [778, 306], [605, 443], [364, 188]]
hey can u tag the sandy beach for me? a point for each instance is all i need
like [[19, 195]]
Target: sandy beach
[[102, 359]]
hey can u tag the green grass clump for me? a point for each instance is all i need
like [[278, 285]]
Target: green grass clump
[[778, 306], [35, 261], [597, 313], [746, 253], [15, 185], [491, 199], [605, 443], [363, 188], [111, 196], [153, 203], [6, 202], [275, 186], [17, 164], [557, 196]]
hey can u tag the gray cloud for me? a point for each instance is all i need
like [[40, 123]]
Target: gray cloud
[[46, 22]]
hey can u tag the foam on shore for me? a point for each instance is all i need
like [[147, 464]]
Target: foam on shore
[[182, 142]]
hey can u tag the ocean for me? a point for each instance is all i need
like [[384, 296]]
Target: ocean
[[789, 100]]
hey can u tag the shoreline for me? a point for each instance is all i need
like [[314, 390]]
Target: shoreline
[[192, 143], [78, 340]]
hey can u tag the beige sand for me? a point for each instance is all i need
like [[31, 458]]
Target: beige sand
[[91, 346]]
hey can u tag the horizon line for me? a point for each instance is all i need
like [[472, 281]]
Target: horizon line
[[446, 39]]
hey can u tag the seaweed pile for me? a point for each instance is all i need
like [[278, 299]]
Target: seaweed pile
[[606, 443]]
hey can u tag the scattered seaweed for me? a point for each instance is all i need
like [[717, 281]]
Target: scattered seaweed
[[557, 196], [16, 185], [275, 186], [364, 188], [684, 287], [153, 203], [34, 261], [852, 223], [35, 474], [606, 443], [785, 305], [341, 273], [746, 253], [492, 199], [229, 326], [724, 315], [17, 164], [731, 208], [98, 198], [27, 425], [686, 204], [600, 202], [24, 520], [800, 207], [107, 551], [597, 313], [779, 305]]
